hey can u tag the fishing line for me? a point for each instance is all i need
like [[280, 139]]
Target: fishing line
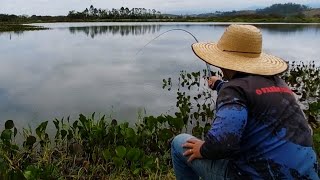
[[177, 29]]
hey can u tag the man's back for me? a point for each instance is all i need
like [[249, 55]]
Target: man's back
[[276, 142]]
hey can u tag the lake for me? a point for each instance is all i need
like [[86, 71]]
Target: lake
[[94, 67]]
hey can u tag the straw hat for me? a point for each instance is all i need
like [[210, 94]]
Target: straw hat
[[239, 49]]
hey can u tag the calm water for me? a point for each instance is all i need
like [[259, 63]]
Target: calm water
[[93, 67]]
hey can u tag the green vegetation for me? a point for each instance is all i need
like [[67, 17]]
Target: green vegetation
[[18, 27], [122, 13], [101, 148], [304, 80], [86, 148]]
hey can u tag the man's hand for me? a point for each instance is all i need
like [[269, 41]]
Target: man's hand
[[193, 150], [212, 80]]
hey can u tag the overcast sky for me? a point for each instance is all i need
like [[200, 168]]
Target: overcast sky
[[62, 7]]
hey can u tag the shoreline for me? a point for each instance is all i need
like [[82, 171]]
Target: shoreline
[[13, 27], [32, 26]]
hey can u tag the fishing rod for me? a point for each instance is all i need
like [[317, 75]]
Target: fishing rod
[[176, 29]]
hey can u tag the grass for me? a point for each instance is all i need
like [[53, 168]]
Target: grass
[[6, 27], [125, 175]]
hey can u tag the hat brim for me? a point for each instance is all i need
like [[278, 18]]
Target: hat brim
[[264, 64]]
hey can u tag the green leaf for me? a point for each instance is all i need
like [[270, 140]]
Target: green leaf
[[102, 118], [177, 123], [148, 162], [15, 147], [56, 124], [70, 134], [31, 172], [63, 133], [146, 133], [6, 135], [131, 136], [28, 174], [43, 125], [207, 127], [121, 151], [118, 162], [9, 124], [133, 154], [106, 154], [31, 140], [114, 122], [136, 171], [165, 134], [92, 116], [161, 119], [130, 133], [164, 81], [75, 124], [41, 129], [82, 119], [15, 131], [151, 122], [124, 125]]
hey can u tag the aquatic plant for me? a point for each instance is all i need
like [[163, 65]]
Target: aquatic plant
[[304, 80]]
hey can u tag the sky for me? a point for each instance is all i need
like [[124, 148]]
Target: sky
[[62, 7]]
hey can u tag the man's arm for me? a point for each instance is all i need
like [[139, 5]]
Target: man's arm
[[223, 139]]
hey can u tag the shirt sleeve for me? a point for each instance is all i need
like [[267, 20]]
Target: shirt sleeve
[[217, 85], [223, 139]]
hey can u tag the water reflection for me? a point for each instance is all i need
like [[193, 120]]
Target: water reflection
[[135, 30], [94, 67], [278, 28], [92, 30], [10, 34], [288, 28]]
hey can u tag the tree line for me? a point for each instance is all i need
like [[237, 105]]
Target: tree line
[[91, 13], [122, 13], [288, 12]]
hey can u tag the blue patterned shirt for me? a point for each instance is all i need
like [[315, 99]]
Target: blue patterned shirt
[[261, 130]]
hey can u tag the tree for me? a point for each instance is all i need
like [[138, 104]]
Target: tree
[[86, 12], [91, 10]]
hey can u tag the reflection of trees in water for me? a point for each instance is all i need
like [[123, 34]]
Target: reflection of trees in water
[[283, 28], [114, 30], [11, 33], [288, 28]]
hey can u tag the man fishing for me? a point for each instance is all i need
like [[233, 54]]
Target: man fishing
[[259, 131]]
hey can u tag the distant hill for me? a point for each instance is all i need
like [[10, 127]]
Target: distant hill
[[287, 9], [283, 10], [312, 13]]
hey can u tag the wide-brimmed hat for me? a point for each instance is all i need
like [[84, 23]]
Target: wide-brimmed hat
[[240, 49]]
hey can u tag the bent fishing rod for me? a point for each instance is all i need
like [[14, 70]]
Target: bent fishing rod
[[177, 29]]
